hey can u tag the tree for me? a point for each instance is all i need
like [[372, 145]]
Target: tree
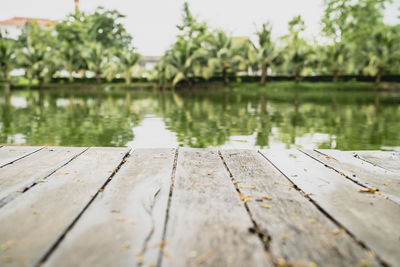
[[128, 59], [187, 55], [383, 50], [97, 58], [105, 27], [71, 34], [224, 55], [265, 53], [297, 48], [34, 54], [7, 59]]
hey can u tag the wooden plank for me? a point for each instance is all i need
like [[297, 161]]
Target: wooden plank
[[124, 225], [10, 154], [33, 223], [371, 218], [208, 224], [362, 172], [385, 159], [300, 234], [19, 176]]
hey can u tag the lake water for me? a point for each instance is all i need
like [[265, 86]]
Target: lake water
[[229, 118]]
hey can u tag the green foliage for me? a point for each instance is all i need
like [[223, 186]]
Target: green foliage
[[7, 58], [355, 41]]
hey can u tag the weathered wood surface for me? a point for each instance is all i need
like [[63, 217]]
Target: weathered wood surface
[[159, 207], [371, 218], [125, 224], [10, 154], [19, 176], [385, 159], [33, 223], [300, 234], [362, 172], [208, 224]]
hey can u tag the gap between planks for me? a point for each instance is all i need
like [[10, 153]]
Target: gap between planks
[[76, 219]]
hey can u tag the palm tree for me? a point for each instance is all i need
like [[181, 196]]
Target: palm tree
[[128, 59], [264, 51], [383, 50], [7, 60], [223, 55], [97, 58], [297, 48]]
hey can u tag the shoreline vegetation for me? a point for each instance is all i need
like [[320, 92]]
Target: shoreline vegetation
[[22, 84], [356, 43]]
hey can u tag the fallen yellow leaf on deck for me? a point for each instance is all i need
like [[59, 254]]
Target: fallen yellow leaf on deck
[[161, 244], [368, 190], [247, 187], [290, 185], [125, 245], [8, 244], [203, 258], [265, 206]]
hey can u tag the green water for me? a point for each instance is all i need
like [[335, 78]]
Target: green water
[[231, 118]]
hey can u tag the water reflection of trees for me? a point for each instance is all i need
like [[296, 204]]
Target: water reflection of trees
[[348, 121], [202, 119], [69, 120]]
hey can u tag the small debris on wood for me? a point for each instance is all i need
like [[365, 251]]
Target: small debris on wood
[[266, 198], [368, 190], [159, 157], [262, 205], [125, 245], [139, 258], [121, 219], [203, 258], [8, 244], [290, 185], [115, 211], [35, 212], [161, 244], [247, 187]]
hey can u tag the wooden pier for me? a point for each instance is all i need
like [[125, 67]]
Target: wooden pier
[[70, 206]]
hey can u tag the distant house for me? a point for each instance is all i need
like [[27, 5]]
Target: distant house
[[148, 62], [14, 26]]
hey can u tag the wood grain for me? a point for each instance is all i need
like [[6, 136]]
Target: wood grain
[[299, 233], [386, 159], [33, 223], [362, 172], [19, 176], [371, 218], [124, 226], [10, 154], [208, 225]]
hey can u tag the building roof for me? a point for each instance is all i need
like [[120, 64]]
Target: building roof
[[21, 21]]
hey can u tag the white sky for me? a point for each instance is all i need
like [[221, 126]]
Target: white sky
[[152, 22]]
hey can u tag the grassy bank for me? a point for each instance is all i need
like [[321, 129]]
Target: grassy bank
[[23, 83]]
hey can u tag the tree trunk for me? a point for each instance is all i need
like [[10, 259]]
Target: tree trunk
[[98, 77], [297, 76], [335, 76], [40, 79], [225, 76], [128, 78], [263, 74], [71, 77], [7, 88], [379, 75]]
